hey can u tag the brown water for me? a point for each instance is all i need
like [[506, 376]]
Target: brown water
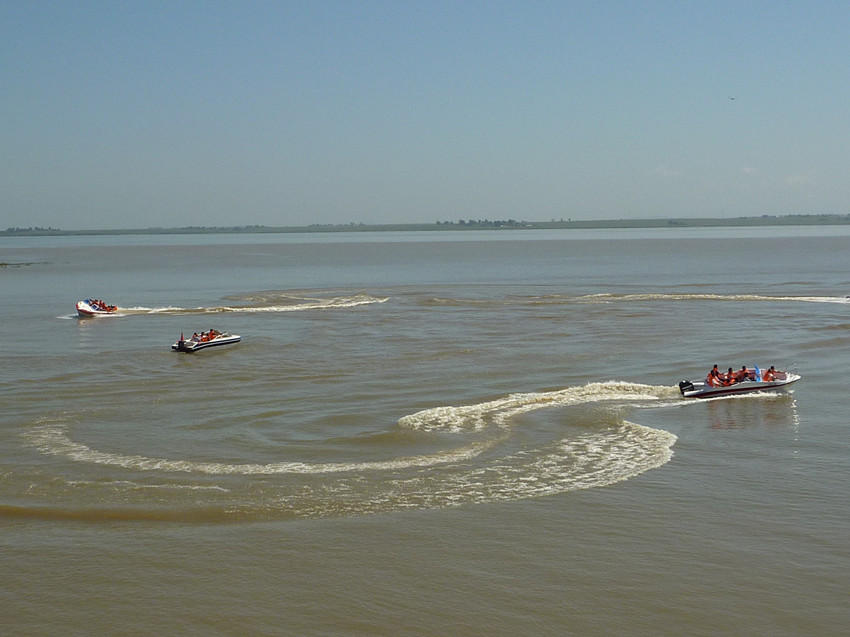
[[422, 436]]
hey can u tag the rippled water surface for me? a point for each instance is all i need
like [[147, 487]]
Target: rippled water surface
[[447, 433]]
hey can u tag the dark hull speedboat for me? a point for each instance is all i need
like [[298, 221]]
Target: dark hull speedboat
[[195, 344], [701, 388]]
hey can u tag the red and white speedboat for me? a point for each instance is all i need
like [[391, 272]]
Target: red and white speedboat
[[92, 307], [205, 340], [754, 382]]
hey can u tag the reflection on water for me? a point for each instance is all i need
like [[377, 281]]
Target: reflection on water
[[768, 410]]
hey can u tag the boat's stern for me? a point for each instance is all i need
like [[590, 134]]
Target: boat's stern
[[182, 346], [686, 386]]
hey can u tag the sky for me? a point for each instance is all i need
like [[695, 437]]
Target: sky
[[141, 114]]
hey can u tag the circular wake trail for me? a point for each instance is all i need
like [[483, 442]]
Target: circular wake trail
[[489, 469]]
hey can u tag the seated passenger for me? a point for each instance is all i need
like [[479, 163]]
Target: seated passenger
[[742, 374], [713, 379], [770, 374], [728, 378]]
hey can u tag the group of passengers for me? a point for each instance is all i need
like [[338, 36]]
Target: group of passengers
[[716, 378], [205, 337], [102, 306]]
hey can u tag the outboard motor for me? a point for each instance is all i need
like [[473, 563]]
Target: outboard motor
[[685, 385]]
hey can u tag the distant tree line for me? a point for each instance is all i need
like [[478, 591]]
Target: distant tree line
[[496, 223], [32, 229], [465, 224]]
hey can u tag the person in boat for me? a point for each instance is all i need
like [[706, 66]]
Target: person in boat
[[102, 306], [742, 374], [714, 377], [769, 375], [728, 378]]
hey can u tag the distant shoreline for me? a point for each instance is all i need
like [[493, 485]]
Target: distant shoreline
[[462, 225]]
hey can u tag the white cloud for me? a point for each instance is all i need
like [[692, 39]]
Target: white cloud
[[802, 180]]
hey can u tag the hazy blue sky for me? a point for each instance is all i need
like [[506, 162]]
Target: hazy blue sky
[[138, 114]]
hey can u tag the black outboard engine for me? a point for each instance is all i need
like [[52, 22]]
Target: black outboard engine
[[685, 385]]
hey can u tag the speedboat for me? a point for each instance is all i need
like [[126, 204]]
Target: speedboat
[[753, 382], [205, 340], [92, 307]]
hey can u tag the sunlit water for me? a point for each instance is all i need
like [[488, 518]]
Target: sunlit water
[[447, 433]]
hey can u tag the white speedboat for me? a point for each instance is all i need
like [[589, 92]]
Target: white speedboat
[[205, 340], [91, 307], [752, 383]]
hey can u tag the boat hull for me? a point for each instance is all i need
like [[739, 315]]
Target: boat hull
[[700, 389], [191, 346]]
